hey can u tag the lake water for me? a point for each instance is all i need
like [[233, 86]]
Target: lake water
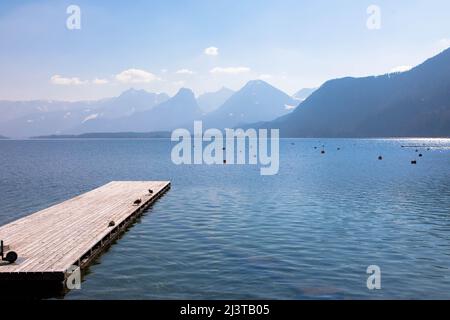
[[226, 232]]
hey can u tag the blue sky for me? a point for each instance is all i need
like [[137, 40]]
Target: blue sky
[[160, 45]]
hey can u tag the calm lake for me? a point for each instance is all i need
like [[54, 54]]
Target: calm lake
[[226, 232]]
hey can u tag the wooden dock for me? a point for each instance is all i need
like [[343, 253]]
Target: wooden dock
[[73, 233]]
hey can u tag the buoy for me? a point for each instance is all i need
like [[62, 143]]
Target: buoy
[[413, 162], [322, 152], [11, 257], [420, 155], [380, 158], [339, 149]]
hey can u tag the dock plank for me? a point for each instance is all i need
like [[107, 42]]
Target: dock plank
[[54, 239]]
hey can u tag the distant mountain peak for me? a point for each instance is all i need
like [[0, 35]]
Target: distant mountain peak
[[415, 103], [133, 91], [210, 101], [257, 83], [256, 101], [184, 93], [185, 90], [222, 90], [304, 93], [260, 86]]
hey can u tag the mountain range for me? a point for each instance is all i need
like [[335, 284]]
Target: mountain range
[[211, 101], [32, 118], [167, 115], [304, 93], [256, 101], [142, 111], [415, 103], [111, 135]]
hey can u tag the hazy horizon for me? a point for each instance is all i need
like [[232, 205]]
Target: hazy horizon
[[399, 69]]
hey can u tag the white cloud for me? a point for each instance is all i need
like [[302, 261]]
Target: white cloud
[[59, 80], [401, 69], [230, 70], [135, 76], [212, 51], [185, 71], [100, 81], [178, 83], [444, 43]]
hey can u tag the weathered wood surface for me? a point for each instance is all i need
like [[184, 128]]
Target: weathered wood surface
[[50, 241]]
